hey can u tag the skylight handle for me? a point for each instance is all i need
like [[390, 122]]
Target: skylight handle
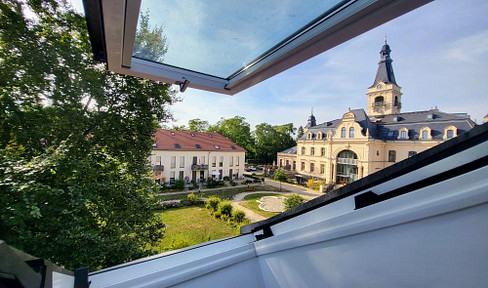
[[183, 85]]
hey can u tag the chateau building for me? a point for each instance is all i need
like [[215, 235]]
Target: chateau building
[[195, 156], [358, 144]]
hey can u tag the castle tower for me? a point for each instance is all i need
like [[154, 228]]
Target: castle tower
[[384, 96], [311, 122]]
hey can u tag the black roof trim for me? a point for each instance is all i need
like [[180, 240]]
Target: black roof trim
[[467, 140], [94, 22]]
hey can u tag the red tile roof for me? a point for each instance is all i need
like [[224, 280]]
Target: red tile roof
[[187, 141]]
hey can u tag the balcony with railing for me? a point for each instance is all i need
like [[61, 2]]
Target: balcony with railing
[[158, 168], [347, 161], [199, 167]]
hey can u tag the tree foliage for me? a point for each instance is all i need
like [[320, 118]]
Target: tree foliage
[[300, 132], [238, 131], [149, 43], [198, 125], [74, 143], [279, 175], [272, 139]]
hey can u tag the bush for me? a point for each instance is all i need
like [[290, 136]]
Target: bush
[[213, 184], [192, 198], [245, 182], [213, 203], [225, 208], [226, 178], [217, 214], [179, 184], [293, 201], [238, 216], [315, 185], [233, 183]]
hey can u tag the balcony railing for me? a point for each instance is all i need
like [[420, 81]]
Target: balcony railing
[[158, 168], [347, 161], [199, 167]]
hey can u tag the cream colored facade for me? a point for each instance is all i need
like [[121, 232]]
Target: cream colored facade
[[358, 144], [196, 165]]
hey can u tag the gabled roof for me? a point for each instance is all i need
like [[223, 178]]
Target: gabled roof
[[176, 140]]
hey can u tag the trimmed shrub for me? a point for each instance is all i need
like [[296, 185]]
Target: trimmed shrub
[[238, 216], [225, 208], [213, 203], [293, 201], [217, 214], [226, 178], [179, 184], [233, 183], [192, 198]]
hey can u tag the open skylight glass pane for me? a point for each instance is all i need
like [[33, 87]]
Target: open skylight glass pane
[[220, 37]]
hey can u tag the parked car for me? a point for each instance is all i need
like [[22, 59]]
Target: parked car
[[247, 169], [260, 167], [251, 168]]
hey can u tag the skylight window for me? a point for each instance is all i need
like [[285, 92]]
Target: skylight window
[[217, 147], [239, 43], [233, 147], [198, 146], [192, 134], [177, 146]]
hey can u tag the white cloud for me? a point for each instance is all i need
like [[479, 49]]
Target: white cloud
[[468, 49]]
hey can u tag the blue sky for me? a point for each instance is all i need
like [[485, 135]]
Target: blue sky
[[440, 58]]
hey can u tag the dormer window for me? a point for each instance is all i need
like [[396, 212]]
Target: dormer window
[[310, 136], [154, 145], [216, 146], [319, 135], [177, 146], [425, 133], [343, 132], [198, 146], [404, 133], [450, 132], [192, 134], [351, 132]]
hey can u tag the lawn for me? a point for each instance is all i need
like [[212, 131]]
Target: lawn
[[191, 225], [223, 194], [253, 205]]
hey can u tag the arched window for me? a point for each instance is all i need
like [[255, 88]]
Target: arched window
[[351, 132], [425, 134], [343, 132], [347, 167], [396, 101], [379, 101]]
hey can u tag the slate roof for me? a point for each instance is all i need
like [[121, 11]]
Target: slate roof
[[388, 127], [292, 150], [385, 69], [189, 141]]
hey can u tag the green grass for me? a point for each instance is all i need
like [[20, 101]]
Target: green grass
[[223, 194], [190, 226], [253, 205]]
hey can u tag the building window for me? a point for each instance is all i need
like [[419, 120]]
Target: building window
[[351, 132], [281, 162], [158, 160], [303, 150], [411, 153], [450, 133], [237, 161], [343, 132], [379, 101], [403, 134], [202, 158], [182, 161], [221, 161], [347, 167], [294, 165], [312, 167], [231, 162], [319, 135], [322, 151], [322, 168], [172, 177], [391, 156], [425, 134], [173, 162], [214, 161], [302, 168], [182, 175], [312, 151]]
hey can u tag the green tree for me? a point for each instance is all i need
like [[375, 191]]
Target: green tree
[[293, 201], [238, 131], [75, 138], [271, 140], [198, 125], [150, 43], [280, 176], [300, 132]]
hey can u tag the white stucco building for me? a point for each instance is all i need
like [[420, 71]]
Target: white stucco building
[[194, 156]]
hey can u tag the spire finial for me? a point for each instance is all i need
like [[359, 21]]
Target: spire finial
[[312, 112], [386, 39]]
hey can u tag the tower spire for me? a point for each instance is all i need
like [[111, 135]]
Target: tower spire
[[385, 69]]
